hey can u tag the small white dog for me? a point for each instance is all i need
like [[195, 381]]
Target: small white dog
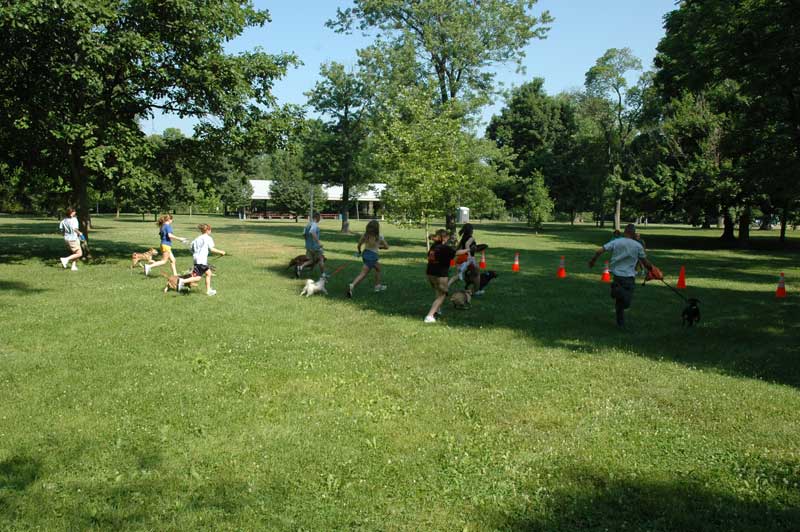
[[312, 288]]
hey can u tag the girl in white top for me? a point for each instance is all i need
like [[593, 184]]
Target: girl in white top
[[72, 236], [201, 247]]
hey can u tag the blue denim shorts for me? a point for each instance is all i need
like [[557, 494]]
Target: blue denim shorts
[[370, 258]]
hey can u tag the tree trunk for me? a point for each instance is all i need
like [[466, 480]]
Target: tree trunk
[[727, 232], [80, 190], [618, 214], [572, 215], [784, 219], [744, 227], [450, 224], [427, 235], [345, 206]]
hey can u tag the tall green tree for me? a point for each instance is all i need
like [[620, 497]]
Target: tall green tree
[[616, 106], [752, 43], [457, 41], [430, 164], [78, 76], [541, 131], [342, 99], [447, 46]]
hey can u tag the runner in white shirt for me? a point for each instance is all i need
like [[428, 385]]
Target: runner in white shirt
[[201, 247], [625, 253], [72, 239]]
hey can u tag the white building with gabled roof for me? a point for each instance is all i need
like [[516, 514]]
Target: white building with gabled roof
[[367, 202]]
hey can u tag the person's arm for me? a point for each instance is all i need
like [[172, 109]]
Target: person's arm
[[382, 244], [176, 237], [217, 251], [597, 254], [360, 242]]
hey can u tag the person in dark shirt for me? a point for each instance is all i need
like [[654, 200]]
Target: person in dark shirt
[[439, 257]]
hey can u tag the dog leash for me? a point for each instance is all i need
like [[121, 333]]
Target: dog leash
[[337, 270], [671, 288]]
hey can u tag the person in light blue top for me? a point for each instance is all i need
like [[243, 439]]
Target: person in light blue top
[[314, 252], [626, 252], [72, 238]]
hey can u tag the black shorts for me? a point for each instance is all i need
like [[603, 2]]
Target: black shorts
[[199, 270]]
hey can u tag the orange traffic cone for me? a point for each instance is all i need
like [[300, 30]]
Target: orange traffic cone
[[681, 278], [482, 264], [515, 266], [780, 293], [606, 278], [562, 271]]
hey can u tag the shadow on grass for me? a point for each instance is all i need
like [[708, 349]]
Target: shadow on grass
[[687, 238], [590, 501], [136, 498], [20, 288], [20, 248], [295, 232], [742, 332], [17, 473]]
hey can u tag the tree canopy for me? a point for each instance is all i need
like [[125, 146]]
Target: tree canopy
[[79, 76], [456, 40]]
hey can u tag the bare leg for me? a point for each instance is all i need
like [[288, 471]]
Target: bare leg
[[360, 277], [75, 256], [192, 279], [378, 274], [437, 303], [165, 257]]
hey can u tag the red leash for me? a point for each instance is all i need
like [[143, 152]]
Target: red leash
[[337, 270]]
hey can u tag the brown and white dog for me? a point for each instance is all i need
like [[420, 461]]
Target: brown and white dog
[[147, 257], [297, 261], [172, 281]]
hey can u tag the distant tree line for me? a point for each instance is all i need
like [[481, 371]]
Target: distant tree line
[[710, 136]]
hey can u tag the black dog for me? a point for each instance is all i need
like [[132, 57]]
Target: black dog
[[691, 314]]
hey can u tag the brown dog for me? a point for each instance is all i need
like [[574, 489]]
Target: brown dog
[[147, 256], [297, 261], [461, 299], [172, 281]]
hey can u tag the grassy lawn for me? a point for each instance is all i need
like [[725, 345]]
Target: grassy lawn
[[122, 407]]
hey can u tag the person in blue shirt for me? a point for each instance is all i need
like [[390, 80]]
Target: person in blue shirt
[[314, 252], [166, 234], [626, 252]]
